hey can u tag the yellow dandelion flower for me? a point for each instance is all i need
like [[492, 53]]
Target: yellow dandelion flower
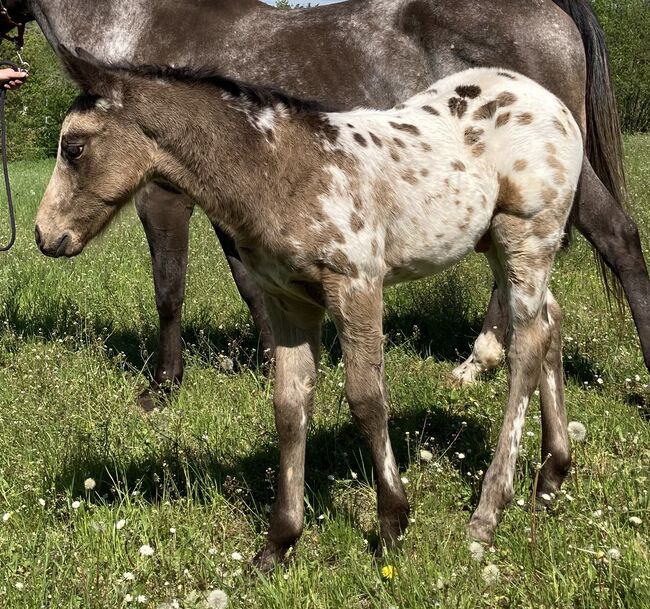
[[388, 572]]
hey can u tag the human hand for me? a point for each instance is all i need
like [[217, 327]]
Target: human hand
[[12, 79]]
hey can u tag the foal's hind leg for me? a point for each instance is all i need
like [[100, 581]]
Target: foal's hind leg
[[357, 312], [487, 351], [556, 451], [524, 276], [297, 329]]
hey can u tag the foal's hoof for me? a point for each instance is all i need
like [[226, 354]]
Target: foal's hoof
[[482, 531], [148, 401]]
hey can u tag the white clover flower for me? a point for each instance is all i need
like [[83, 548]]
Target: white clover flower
[[426, 456], [19, 585], [236, 556], [141, 599], [6, 516], [614, 554], [128, 598], [76, 505], [146, 550], [521, 502], [217, 599], [491, 574], [636, 521], [577, 431], [41, 502], [476, 550], [89, 484], [120, 524], [172, 530]]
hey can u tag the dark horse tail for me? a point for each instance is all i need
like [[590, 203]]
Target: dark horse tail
[[604, 144]]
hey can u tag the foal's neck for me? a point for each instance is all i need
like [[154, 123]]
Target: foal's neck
[[238, 160]]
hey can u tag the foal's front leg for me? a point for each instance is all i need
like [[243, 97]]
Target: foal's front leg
[[356, 308], [296, 327]]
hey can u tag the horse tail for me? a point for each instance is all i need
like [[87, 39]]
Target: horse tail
[[604, 143]]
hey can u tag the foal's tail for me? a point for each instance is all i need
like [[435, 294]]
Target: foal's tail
[[604, 144]]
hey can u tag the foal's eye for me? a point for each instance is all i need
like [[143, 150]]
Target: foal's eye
[[72, 151]]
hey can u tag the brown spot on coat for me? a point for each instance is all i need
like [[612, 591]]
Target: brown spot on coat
[[473, 135], [520, 165], [394, 155], [506, 99], [503, 119], [360, 140], [412, 129], [356, 223], [426, 147], [470, 91], [525, 118], [486, 111], [424, 172], [559, 169], [408, 175], [509, 199], [431, 110], [457, 106], [376, 140], [479, 149], [458, 166], [560, 127], [399, 143]]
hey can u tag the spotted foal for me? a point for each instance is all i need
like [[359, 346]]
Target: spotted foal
[[326, 209]]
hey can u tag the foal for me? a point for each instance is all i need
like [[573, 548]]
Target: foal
[[326, 209]]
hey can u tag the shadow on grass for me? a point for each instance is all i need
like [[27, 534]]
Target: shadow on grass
[[177, 470]]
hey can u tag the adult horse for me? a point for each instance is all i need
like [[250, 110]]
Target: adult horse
[[373, 53]]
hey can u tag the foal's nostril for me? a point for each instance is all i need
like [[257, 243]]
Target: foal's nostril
[[38, 236], [63, 242]]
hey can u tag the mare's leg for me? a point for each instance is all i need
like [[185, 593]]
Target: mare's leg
[[296, 327], [249, 291], [556, 451], [166, 219], [356, 309], [615, 235], [487, 351], [523, 277]]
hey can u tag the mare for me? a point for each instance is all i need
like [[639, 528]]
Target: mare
[[371, 53], [325, 209]]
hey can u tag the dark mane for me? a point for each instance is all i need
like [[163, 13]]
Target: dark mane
[[259, 95]]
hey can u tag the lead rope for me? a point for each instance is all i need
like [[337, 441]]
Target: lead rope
[[5, 164]]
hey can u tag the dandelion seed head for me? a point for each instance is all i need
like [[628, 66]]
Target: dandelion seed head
[[217, 599], [426, 456], [577, 431], [635, 521], [120, 524], [614, 554], [491, 574], [76, 505], [236, 556], [89, 484], [476, 550], [146, 550]]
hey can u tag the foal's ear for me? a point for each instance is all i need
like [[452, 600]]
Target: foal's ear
[[91, 75]]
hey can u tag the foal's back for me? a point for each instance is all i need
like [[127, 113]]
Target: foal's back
[[427, 177]]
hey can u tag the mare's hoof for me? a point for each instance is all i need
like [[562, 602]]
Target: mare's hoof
[[479, 530], [267, 559], [465, 374]]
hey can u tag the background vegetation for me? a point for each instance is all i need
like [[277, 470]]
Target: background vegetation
[[35, 112]]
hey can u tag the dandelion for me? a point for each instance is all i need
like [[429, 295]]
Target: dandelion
[[577, 431], [236, 556], [6, 516], [388, 572], [142, 599], [461, 456], [521, 502], [89, 484], [41, 502], [217, 599], [597, 513], [491, 574], [120, 524], [128, 576], [426, 456], [146, 550], [19, 585], [128, 598], [405, 480], [635, 521], [212, 551], [614, 554], [476, 550], [76, 505], [172, 530]]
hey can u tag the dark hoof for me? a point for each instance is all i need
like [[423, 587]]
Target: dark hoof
[[479, 530], [267, 559], [154, 397]]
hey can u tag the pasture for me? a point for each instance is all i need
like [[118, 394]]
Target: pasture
[[178, 501]]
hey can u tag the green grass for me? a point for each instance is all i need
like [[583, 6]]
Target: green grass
[[76, 347]]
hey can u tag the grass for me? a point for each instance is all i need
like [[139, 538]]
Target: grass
[[195, 480]]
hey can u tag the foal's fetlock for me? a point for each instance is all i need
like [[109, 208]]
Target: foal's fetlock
[[393, 524]]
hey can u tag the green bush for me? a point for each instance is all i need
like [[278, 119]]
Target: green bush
[[35, 111], [627, 26]]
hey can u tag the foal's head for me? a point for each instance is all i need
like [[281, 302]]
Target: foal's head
[[104, 157]]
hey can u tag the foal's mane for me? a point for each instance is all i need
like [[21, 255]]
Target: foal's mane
[[259, 95]]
